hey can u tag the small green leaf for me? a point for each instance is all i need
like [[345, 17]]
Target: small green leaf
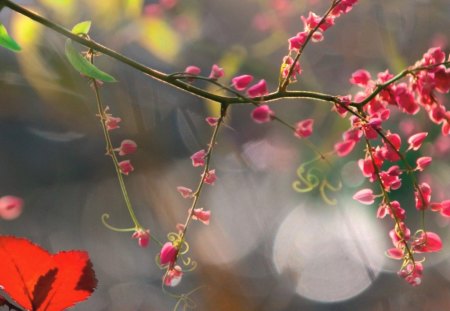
[[82, 28], [83, 66], [6, 41]]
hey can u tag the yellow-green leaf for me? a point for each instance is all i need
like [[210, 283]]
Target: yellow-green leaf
[[83, 66], [6, 41], [82, 28]]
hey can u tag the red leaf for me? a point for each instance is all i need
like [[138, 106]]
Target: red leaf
[[39, 281]]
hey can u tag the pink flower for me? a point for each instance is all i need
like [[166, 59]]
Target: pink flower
[[416, 140], [192, 70], [304, 128], [262, 114], [295, 43], [394, 253], [427, 242], [422, 163], [126, 167], [311, 21], [423, 196], [360, 77], [412, 273], [210, 177], [10, 207], [241, 82], [364, 196], [445, 208], [173, 276], [185, 192], [201, 215], [143, 237], [168, 254], [127, 146], [317, 36], [343, 148], [212, 121], [216, 72], [111, 122], [198, 158], [258, 90]]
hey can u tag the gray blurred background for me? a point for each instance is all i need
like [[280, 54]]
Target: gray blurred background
[[268, 247]]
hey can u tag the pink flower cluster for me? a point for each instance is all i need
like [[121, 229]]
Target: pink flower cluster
[[428, 78], [126, 147], [167, 258], [313, 27]]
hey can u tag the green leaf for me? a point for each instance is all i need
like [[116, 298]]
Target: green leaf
[[83, 66], [6, 41], [82, 28]]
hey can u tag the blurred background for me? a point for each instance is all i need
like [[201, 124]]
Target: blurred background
[[268, 247]]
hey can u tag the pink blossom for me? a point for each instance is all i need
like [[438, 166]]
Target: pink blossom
[[390, 151], [317, 36], [185, 192], [364, 196], [442, 80], [210, 177], [127, 146], [168, 254], [126, 167], [212, 121], [343, 148], [111, 122], [360, 77], [192, 70], [422, 163], [198, 158], [405, 99], [262, 114], [416, 140], [258, 90], [287, 64], [173, 276], [143, 237], [399, 240], [412, 273], [427, 242], [445, 208], [240, 83], [10, 207], [201, 215], [304, 128], [393, 209], [216, 72], [343, 7], [311, 21], [295, 43], [394, 253], [423, 196]]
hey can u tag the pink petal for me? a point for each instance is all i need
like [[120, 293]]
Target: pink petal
[[185, 192], [262, 114], [345, 147], [168, 253], [365, 196], [416, 140]]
